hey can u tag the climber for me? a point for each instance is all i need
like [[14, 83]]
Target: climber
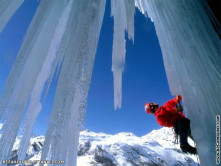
[[171, 115]]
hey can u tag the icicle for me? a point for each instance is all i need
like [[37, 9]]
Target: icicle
[[139, 5], [81, 39], [123, 14], [130, 10], [7, 9], [191, 54], [35, 105], [24, 73]]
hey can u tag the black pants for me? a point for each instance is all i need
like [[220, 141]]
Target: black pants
[[182, 128]]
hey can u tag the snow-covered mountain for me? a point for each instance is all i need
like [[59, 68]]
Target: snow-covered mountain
[[124, 149]]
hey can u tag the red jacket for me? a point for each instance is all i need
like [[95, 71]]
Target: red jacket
[[167, 114]]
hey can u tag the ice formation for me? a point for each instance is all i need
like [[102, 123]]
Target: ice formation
[[123, 13], [7, 9], [29, 60], [35, 105], [47, 43], [191, 55], [80, 43], [64, 34]]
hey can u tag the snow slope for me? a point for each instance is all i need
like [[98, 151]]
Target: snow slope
[[122, 149]]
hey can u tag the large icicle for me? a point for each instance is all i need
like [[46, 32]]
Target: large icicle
[[123, 13], [35, 105], [26, 70], [191, 53], [7, 9], [80, 39]]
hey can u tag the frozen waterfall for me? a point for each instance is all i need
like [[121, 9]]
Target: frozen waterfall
[[191, 54], [80, 43], [63, 35], [57, 37], [29, 60], [35, 105]]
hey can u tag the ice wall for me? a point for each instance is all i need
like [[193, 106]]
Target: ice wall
[[191, 54], [7, 9], [80, 42], [123, 13]]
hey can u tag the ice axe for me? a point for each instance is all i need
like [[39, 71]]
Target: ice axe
[[178, 103]]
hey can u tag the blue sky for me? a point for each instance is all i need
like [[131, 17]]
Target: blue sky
[[144, 77]]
